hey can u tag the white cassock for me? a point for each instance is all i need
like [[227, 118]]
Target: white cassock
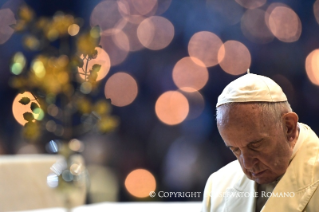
[[229, 190]]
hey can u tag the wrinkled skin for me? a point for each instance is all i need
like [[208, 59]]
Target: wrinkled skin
[[262, 148]]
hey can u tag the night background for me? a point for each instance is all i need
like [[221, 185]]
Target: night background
[[180, 153]]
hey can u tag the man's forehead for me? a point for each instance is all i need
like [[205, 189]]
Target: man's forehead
[[236, 113]]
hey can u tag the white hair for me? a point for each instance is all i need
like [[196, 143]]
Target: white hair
[[271, 111]]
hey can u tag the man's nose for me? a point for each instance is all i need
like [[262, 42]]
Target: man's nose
[[248, 159]]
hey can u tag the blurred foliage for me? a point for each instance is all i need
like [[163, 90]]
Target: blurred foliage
[[52, 77]]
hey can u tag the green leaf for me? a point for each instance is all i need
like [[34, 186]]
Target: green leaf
[[28, 116], [93, 54], [96, 68], [79, 62], [35, 106], [24, 100]]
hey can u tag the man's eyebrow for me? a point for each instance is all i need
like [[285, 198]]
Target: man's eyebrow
[[256, 141], [252, 142]]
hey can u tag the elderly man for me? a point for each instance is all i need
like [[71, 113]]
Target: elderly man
[[277, 166]]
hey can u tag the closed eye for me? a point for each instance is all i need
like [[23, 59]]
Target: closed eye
[[255, 144]]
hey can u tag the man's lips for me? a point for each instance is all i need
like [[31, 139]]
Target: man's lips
[[258, 173]]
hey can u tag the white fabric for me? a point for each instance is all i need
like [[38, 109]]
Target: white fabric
[[251, 88], [23, 183], [301, 178], [133, 206]]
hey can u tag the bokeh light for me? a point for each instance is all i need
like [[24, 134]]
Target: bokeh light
[[172, 107], [116, 43], [143, 7], [204, 46], [196, 103], [251, 4], [283, 22], [130, 29], [102, 59], [140, 183], [162, 6], [229, 10], [121, 88], [73, 29], [19, 109], [316, 10], [6, 19], [254, 27], [312, 66], [190, 72], [105, 14], [155, 32], [133, 13], [234, 57], [18, 64]]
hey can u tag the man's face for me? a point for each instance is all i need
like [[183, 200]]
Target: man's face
[[261, 146]]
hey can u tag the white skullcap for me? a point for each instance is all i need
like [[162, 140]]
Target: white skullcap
[[252, 88]]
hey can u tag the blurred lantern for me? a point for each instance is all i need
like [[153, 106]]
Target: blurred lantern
[[204, 46], [116, 43], [155, 33], [101, 59], [234, 57], [19, 109], [312, 66], [18, 63], [121, 88], [316, 10], [172, 107], [190, 72], [254, 27], [6, 20], [283, 22], [140, 183]]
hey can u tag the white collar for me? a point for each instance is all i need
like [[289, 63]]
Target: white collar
[[299, 141]]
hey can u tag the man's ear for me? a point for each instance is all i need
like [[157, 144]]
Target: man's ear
[[290, 121]]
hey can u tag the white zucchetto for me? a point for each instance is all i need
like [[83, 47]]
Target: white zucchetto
[[252, 88]]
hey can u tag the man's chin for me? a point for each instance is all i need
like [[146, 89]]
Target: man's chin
[[262, 179]]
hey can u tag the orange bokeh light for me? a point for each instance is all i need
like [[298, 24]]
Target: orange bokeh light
[[172, 107], [204, 46], [155, 32], [19, 109], [121, 88], [190, 72], [6, 19], [105, 14], [116, 43], [143, 7], [234, 57], [127, 9], [283, 22], [130, 29], [254, 27], [251, 4], [102, 59], [140, 183], [312, 66]]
